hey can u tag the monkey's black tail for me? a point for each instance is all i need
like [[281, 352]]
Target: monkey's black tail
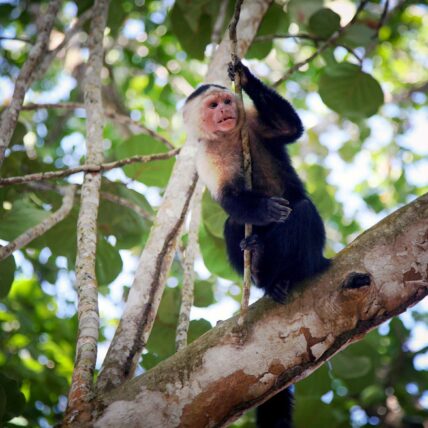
[[276, 412]]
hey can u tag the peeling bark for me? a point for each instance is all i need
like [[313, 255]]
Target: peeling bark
[[230, 369], [146, 291], [79, 409]]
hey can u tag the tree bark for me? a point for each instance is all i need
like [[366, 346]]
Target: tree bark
[[229, 369]]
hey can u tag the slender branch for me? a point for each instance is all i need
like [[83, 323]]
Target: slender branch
[[188, 270], [126, 203], [87, 168], [269, 37], [117, 117], [245, 140], [331, 40], [79, 410], [9, 117], [16, 39], [49, 222], [50, 56]]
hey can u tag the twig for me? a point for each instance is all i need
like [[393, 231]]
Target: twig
[[79, 410], [16, 39], [9, 117], [187, 294], [49, 175], [269, 37], [49, 222], [117, 117], [333, 38], [246, 161], [49, 57], [126, 203]]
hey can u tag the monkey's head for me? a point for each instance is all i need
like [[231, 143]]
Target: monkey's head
[[212, 111]]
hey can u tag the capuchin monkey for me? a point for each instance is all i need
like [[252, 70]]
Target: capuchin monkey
[[288, 234]]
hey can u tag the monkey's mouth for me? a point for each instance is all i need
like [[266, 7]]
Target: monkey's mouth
[[225, 119]]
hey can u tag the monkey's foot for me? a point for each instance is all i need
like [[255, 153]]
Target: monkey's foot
[[278, 209], [279, 291], [251, 243]]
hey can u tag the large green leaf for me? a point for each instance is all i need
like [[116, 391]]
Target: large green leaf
[[12, 400], [197, 328], [7, 274], [324, 22], [20, 218], [351, 366], [193, 38], [154, 173], [349, 91], [213, 215], [108, 262], [275, 20], [213, 251], [203, 294], [301, 10], [358, 35]]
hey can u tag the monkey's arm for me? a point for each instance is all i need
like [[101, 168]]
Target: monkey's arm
[[275, 112], [245, 206]]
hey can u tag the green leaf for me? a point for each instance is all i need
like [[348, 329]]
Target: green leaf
[[14, 401], [154, 173], [213, 215], [275, 20], [197, 328], [350, 367], [7, 274], [19, 219], [357, 35], [319, 416], [18, 134], [204, 294], [349, 91], [316, 385], [301, 10], [108, 262], [170, 306], [213, 251], [193, 39], [324, 22]]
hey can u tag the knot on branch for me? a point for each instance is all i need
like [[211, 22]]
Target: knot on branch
[[355, 280]]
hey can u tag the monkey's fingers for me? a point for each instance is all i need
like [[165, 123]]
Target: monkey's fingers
[[282, 201], [278, 209], [252, 242]]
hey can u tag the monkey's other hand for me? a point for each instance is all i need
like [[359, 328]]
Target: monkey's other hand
[[251, 243], [278, 209]]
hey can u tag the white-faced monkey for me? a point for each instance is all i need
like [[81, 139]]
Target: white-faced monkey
[[288, 233]]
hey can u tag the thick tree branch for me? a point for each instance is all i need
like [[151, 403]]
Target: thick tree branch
[[44, 226], [229, 370], [9, 117], [155, 262], [50, 175], [79, 408]]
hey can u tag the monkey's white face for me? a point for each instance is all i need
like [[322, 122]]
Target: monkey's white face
[[219, 112]]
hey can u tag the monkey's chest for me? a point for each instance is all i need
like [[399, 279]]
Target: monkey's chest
[[217, 169]]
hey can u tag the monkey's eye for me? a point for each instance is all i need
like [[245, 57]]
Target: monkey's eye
[[227, 101], [213, 105]]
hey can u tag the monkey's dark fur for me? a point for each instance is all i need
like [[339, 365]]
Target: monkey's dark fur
[[287, 246]]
